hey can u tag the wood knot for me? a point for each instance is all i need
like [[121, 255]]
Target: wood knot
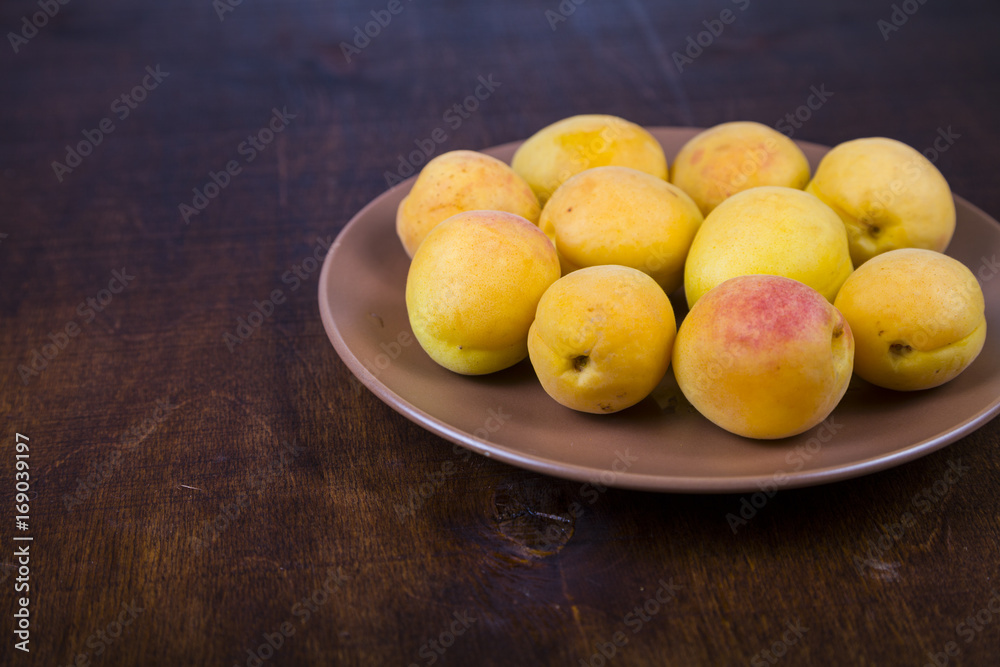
[[533, 513]]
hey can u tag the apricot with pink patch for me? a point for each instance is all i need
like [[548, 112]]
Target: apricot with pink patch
[[764, 356]]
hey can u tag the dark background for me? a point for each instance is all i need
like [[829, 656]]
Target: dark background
[[146, 430]]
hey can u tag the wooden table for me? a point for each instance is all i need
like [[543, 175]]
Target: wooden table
[[207, 494]]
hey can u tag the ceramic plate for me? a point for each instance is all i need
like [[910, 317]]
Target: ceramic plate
[[661, 444]]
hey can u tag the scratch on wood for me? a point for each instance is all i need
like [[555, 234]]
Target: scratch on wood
[[883, 570], [572, 604]]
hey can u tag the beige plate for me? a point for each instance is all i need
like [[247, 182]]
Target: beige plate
[[661, 444]]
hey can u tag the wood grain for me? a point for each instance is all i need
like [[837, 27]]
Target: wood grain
[[213, 498]]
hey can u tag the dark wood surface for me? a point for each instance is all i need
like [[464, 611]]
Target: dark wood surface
[[209, 499]]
